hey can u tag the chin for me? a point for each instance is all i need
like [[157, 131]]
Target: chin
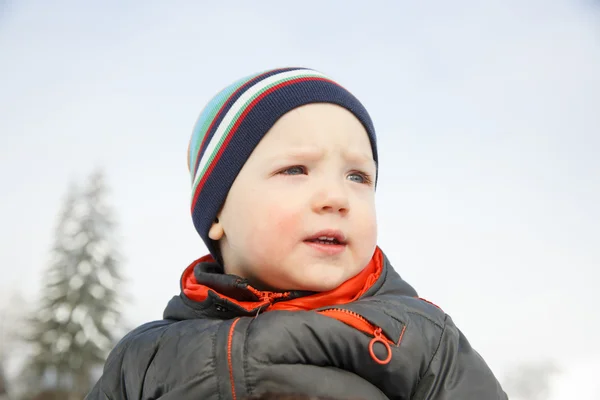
[[322, 284]]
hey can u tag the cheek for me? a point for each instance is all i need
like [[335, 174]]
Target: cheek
[[372, 229], [366, 208], [275, 228], [286, 222], [373, 223], [368, 227]]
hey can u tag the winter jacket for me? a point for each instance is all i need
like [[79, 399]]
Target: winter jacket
[[371, 338]]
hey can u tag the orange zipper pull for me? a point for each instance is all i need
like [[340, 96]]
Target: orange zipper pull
[[269, 298], [266, 298], [380, 339]]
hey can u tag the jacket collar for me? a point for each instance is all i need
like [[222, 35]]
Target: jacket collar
[[207, 292]]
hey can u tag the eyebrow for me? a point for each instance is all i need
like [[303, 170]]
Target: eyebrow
[[299, 153], [359, 158], [307, 153], [303, 153]]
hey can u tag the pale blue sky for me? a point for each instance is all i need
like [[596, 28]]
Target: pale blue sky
[[486, 113]]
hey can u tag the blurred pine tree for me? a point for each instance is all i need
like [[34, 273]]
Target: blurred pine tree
[[78, 317]]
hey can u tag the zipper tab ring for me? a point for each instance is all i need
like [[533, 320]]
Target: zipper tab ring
[[378, 339]]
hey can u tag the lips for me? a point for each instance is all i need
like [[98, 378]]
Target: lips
[[329, 237]]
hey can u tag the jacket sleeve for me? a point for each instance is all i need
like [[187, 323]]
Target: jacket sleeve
[[126, 365], [457, 371], [110, 386], [97, 393]]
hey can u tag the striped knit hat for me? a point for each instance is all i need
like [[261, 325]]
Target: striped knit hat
[[237, 118]]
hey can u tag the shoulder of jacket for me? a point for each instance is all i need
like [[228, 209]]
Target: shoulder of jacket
[[149, 335], [402, 297], [413, 308], [426, 309], [138, 338], [147, 330]]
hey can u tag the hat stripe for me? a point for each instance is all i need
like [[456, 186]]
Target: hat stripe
[[207, 118], [213, 113], [238, 122], [241, 106]]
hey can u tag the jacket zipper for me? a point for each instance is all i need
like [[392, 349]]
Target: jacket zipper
[[270, 297], [229, 358], [357, 321], [267, 298]]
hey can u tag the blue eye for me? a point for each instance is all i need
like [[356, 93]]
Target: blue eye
[[295, 170], [360, 177]]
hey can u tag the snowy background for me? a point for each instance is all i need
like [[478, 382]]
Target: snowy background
[[488, 119]]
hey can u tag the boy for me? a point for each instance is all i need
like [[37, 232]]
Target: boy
[[295, 296]]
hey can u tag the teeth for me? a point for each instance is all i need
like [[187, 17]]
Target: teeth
[[326, 238]]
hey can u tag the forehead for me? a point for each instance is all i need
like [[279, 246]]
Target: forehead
[[319, 124]]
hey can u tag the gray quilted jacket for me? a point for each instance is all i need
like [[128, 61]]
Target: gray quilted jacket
[[233, 342]]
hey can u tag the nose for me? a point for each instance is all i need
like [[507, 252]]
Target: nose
[[332, 198]]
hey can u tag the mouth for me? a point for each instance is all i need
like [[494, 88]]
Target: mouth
[[328, 237]]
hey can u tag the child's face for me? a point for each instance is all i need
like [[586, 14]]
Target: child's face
[[306, 176]]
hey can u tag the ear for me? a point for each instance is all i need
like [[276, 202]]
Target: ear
[[216, 231]]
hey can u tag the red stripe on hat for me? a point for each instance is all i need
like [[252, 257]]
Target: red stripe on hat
[[218, 114], [238, 123]]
